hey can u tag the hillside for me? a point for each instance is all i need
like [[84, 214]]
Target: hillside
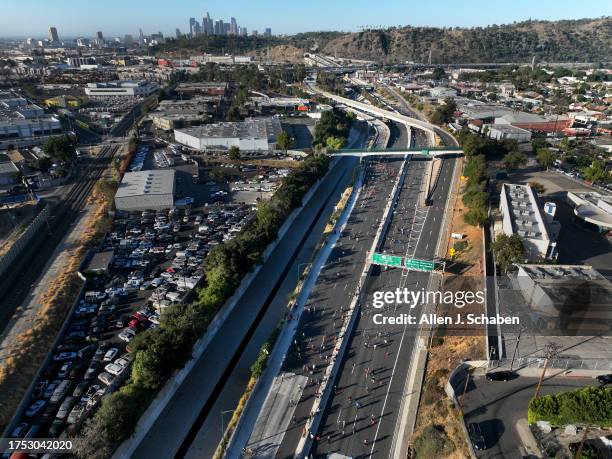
[[558, 41], [553, 41]]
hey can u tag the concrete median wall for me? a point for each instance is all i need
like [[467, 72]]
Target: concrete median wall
[[32, 230]]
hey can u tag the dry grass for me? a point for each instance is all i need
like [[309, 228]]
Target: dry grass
[[31, 348], [338, 210], [450, 351]]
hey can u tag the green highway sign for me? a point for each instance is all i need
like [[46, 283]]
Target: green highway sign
[[425, 152], [386, 260], [419, 265]]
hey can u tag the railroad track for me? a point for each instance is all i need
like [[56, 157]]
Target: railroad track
[[17, 284]]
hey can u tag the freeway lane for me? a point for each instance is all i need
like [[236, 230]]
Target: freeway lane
[[331, 295], [370, 389]]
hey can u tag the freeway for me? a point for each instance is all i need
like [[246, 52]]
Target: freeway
[[363, 415], [364, 408], [16, 286]]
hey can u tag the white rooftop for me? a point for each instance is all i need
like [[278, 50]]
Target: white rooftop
[[146, 183]]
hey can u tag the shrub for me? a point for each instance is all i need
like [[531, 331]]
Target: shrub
[[587, 406], [433, 442]]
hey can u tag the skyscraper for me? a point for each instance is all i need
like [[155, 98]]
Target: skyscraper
[[243, 31], [192, 22], [219, 28], [178, 33], [233, 27], [99, 38], [141, 37], [208, 26], [268, 32], [53, 37]]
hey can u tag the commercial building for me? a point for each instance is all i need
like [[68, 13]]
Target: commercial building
[[175, 114], [8, 171], [441, 92], [204, 89], [251, 135], [566, 298], [146, 190], [23, 123], [121, 88], [508, 132], [592, 208], [522, 215], [53, 36]]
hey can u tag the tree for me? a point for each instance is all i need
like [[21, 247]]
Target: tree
[[60, 148], [334, 143], [234, 153], [284, 141], [438, 73], [507, 250], [545, 157], [476, 216], [514, 160], [597, 172], [538, 187]]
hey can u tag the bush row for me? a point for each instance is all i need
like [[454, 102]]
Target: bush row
[[589, 406]]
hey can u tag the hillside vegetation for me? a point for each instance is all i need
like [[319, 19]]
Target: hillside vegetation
[[584, 40], [557, 41]]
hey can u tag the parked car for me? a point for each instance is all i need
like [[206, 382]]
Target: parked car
[[65, 408], [20, 430], [60, 391], [62, 356], [35, 408], [56, 428], [110, 354], [604, 379], [64, 370], [127, 335], [501, 375], [476, 436], [106, 378]]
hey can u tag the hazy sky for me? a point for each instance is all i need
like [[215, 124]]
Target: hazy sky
[[118, 17]]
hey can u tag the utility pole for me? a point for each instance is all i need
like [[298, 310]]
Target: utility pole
[[518, 340], [550, 352]]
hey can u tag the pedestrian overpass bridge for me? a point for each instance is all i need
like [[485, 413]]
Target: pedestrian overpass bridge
[[423, 152]]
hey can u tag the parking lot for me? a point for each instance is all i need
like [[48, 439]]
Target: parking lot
[[154, 261]]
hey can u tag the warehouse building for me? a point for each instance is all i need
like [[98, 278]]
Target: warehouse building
[[146, 190], [508, 132], [23, 123], [521, 214], [121, 88], [250, 135]]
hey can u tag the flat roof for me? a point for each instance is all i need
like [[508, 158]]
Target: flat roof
[[146, 183], [593, 207], [249, 128], [525, 214]]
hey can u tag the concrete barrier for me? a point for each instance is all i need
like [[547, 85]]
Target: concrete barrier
[[32, 230]]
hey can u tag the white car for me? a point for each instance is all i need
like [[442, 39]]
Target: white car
[[110, 354], [127, 335]]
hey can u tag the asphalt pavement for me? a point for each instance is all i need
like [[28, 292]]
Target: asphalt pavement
[[498, 407], [362, 414]]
